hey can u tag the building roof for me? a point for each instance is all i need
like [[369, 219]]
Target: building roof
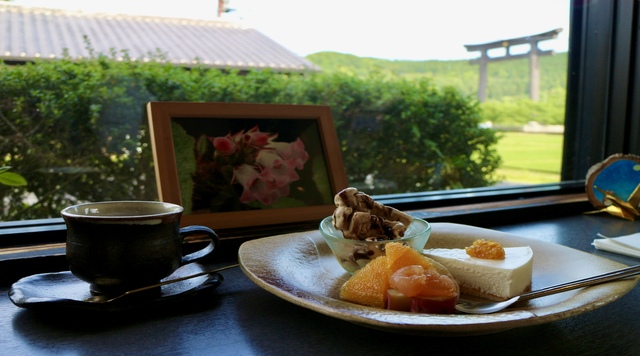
[[28, 33]]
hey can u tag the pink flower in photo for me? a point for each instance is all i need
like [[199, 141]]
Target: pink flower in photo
[[225, 145], [245, 175], [257, 186], [255, 138], [264, 191], [263, 168], [294, 150], [276, 169]]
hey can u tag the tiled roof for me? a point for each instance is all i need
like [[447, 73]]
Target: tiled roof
[[28, 33]]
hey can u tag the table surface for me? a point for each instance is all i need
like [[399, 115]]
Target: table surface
[[242, 319]]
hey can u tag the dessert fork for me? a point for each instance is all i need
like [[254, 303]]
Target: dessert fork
[[486, 307]]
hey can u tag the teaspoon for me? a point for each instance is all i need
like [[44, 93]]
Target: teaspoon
[[102, 298]]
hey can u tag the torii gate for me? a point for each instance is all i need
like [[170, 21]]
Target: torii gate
[[533, 54]]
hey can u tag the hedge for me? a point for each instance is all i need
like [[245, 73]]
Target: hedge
[[76, 130]]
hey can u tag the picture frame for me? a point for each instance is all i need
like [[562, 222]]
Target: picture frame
[[233, 165]]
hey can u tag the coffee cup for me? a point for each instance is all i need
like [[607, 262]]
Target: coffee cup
[[117, 246]]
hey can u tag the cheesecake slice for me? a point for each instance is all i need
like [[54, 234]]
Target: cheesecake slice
[[488, 278]]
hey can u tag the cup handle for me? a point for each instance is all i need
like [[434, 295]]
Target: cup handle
[[199, 230]]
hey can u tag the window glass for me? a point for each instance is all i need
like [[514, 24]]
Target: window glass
[[413, 109]]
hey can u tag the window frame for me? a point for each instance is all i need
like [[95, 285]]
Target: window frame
[[601, 119], [604, 66]]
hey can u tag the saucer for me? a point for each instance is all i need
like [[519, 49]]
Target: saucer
[[62, 290]]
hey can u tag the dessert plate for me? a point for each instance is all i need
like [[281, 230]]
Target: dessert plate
[[301, 269], [62, 290]]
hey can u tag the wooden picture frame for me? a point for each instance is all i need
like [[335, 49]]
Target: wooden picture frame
[[240, 165]]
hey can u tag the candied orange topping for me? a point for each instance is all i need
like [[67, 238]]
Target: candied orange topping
[[488, 250]]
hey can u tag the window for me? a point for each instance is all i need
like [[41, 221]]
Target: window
[[601, 117]]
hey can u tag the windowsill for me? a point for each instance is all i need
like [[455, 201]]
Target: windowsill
[[18, 261], [443, 203]]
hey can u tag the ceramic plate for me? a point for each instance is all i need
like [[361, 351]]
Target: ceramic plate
[[62, 290], [301, 269]]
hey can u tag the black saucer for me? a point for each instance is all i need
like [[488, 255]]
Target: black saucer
[[62, 290]]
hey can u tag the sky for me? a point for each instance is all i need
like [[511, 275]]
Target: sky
[[396, 30]]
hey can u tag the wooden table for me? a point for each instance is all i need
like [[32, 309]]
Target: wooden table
[[243, 319]]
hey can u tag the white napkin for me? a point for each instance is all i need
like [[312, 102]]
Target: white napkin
[[628, 245]]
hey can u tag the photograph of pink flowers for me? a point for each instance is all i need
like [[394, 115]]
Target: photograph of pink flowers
[[232, 165]]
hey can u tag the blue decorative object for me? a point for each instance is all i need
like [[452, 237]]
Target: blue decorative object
[[613, 186]]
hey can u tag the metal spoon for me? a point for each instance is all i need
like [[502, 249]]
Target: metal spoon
[[101, 298], [484, 307]]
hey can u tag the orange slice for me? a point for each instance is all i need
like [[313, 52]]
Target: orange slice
[[399, 256], [368, 285]]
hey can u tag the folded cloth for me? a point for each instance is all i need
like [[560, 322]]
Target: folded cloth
[[628, 245]]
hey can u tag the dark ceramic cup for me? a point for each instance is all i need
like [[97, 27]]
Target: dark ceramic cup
[[122, 245]]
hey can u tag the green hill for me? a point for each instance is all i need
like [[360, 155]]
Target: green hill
[[506, 78]]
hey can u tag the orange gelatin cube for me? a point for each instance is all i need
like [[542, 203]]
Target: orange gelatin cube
[[368, 286], [398, 301]]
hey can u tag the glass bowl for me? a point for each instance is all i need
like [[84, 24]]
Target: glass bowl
[[355, 254]]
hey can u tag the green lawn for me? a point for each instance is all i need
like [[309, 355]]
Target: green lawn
[[530, 158]]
